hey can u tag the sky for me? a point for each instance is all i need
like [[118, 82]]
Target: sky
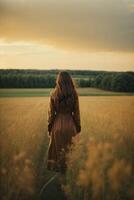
[[67, 34]]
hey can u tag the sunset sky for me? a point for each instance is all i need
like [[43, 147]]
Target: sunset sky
[[67, 34]]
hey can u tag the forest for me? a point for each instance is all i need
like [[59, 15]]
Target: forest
[[113, 81]]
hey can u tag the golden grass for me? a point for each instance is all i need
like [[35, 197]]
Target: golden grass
[[23, 142], [102, 155]]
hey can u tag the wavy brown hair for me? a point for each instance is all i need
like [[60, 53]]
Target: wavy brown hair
[[65, 89]]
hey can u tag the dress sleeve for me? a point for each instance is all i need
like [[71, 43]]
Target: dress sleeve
[[76, 115], [51, 114]]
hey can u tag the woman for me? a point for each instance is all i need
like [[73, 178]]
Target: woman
[[63, 121]]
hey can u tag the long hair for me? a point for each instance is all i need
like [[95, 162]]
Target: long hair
[[65, 91]]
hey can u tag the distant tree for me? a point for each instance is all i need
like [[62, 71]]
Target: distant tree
[[123, 82], [97, 80], [106, 82], [84, 82]]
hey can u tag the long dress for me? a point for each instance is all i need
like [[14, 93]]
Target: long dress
[[63, 124]]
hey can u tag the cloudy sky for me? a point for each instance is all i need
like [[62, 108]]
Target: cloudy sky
[[67, 34]]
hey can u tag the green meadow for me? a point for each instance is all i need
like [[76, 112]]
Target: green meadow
[[42, 92]]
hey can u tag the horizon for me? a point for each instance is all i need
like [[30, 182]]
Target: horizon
[[56, 69]]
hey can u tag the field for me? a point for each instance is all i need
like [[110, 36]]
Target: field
[[100, 165], [46, 91]]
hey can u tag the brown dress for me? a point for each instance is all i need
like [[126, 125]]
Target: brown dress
[[63, 124]]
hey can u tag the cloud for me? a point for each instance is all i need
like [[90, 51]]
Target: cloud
[[95, 25]]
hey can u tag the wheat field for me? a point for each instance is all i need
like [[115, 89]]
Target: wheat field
[[101, 160]]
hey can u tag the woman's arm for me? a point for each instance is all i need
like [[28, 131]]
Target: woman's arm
[[76, 115], [51, 114]]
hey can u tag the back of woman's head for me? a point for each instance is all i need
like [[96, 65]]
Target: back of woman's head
[[65, 89]]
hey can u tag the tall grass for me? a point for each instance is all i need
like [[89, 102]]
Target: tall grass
[[101, 160], [23, 143]]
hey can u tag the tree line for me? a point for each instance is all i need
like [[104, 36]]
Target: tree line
[[119, 82], [26, 81], [53, 72], [114, 81]]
